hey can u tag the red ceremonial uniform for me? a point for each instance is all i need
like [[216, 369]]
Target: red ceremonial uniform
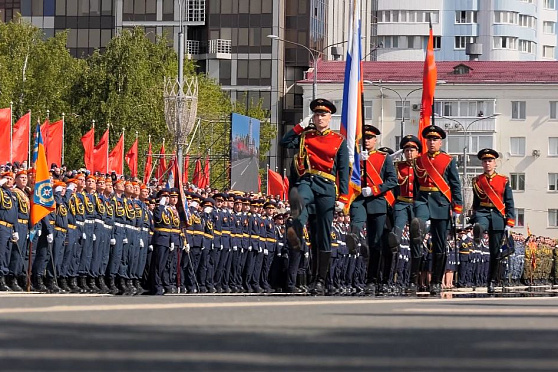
[[492, 194], [405, 180]]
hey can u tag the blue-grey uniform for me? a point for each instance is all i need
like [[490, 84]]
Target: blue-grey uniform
[[99, 236], [118, 234], [109, 239], [20, 255], [194, 235], [73, 235], [60, 231], [268, 233], [8, 218], [76, 238], [88, 230], [235, 281], [223, 251], [254, 248], [208, 231], [145, 224], [129, 241]]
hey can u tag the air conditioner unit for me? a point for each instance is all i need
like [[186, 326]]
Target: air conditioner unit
[[536, 153], [447, 125], [416, 107]]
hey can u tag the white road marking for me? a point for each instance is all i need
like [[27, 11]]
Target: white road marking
[[485, 311]]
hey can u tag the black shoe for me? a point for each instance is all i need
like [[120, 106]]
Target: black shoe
[[218, 289], [3, 286], [139, 288], [370, 289], [14, 286], [75, 287], [393, 242], [491, 288], [477, 233], [211, 289], [411, 289], [296, 203], [112, 285], [83, 284], [53, 287], [203, 289], [414, 231], [435, 289], [318, 288], [133, 290], [102, 285], [92, 286], [39, 284], [293, 290], [63, 284]]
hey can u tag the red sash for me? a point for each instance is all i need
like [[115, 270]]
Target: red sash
[[492, 195], [439, 181], [373, 176]]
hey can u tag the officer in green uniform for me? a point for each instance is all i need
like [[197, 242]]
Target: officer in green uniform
[[493, 209], [321, 162]]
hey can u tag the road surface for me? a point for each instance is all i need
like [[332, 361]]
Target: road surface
[[244, 174]]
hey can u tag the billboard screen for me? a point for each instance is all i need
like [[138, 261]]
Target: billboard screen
[[245, 151]]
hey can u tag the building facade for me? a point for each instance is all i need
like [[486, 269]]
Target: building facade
[[509, 106], [498, 30]]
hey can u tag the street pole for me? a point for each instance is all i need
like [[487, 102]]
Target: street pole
[[180, 82]]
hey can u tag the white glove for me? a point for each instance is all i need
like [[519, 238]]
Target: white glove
[[279, 254], [50, 238], [364, 155], [306, 255], [15, 236], [39, 232], [83, 236], [112, 241], [221, 248], [71, 187], [186, 247], [3, 181], [172, 247], [58, 189], [339, 205], [94, 237], [456, 215], [249, 249], [141, 243], [507, 229], [366, 191], [125, 241], [306, 121], [266, 252], [163, 201], [151, 248], [235, 248], [260, 250]]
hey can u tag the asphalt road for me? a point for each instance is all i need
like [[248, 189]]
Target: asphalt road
[[82, 333], [244, 174]]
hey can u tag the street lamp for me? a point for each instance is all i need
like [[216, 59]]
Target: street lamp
[[466, 146], [314, 54]]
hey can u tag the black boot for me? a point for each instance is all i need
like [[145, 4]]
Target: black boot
[[140, 289], [393, 242], [130, 285], [415, 233], [102, 286], [438, 268], [74, 288], [373, 272], [413, 280], [111, 285], [477, 233], [3, 286], [318, 287], [39, 284], [91, 284], [63, 284], [492, 275], [53, 287], [14, 286], [83, 284]]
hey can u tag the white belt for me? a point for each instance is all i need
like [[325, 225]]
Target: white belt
[[89, 221], [99, 221], [144, 229], [133, 228], [120, 225], [80, 223]]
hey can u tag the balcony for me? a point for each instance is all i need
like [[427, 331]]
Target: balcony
[[471, 124], [192, 48], [195, 11]]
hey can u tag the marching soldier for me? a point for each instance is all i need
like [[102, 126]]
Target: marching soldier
[[371, 206], [493, 209], [321, 161], [20, 253], [8, 217], [437, 200], [163, 243]]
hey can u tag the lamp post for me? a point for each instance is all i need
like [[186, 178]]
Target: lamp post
[[314, 54], [466, 132]]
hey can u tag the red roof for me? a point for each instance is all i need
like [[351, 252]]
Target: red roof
[[492, 72]]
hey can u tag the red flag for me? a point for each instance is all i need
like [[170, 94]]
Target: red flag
[[162, 167], [53, 140], [186, 165], [148, 165], [259, 182], [115, 157], [428, 87], [197, 173], [205, 177], [275, 184], [5, 128], [131, 158], [20, 138], [100, 153], [88, 142], [286, 191]]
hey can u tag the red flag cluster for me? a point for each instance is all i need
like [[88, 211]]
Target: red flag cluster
[[201, 178], [277, 185]]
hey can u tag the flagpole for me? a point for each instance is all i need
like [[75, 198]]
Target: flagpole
[[267, 180], [108, 145], [63, 147], [123, 129], [137, 155], [92, 157], [11, 129], [29, 152]]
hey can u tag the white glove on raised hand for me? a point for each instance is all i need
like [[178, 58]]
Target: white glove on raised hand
[[171, 247], [141, 243], [364, 155], [94, 237], [83, 236], [339, 206], [112, 241], [306, 121], [50, 238], [163, 201], [151, 248], [3, 181], [125, 240], [71, 187], [15, 236], [366, 191]]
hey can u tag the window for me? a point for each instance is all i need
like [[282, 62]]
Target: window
[[527, 21], [553, 110], [465, 16], [461, 41], [548, 51], [526, 46], [548, 27], [412, 42], [505, 42], [437, 41], [553, 217], [517, 181], [553, 146], [506, 17], [464, 108], [389, 41], [399, 109], [517, 146], [553, 182], [368, 110], [548, 4], [518, 110], [519, 217]]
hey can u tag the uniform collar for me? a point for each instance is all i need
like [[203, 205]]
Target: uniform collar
[[490, 176], [324, 133], [434, 154]]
